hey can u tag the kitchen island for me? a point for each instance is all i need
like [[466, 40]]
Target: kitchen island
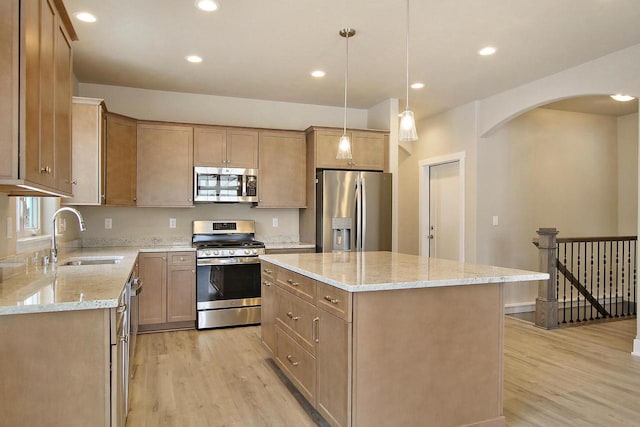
[[381, 338]]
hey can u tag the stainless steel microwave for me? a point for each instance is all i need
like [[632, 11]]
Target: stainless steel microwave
[[225, 185]]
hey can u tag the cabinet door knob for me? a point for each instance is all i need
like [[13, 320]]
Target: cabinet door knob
[[292, 317], [293, 362], [181, 258]]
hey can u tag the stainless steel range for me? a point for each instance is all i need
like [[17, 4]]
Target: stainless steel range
[[228, 273]]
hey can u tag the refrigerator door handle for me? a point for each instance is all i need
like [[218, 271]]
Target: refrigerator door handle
[[363, 216], [356, 246]]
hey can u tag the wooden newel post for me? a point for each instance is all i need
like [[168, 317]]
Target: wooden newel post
[[547, 301]]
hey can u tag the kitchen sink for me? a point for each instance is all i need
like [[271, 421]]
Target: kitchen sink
[[94, 260]]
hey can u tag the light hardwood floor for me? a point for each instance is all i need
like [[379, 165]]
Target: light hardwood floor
[[583, 376]]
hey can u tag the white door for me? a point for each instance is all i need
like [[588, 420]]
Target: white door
[[444, 211]]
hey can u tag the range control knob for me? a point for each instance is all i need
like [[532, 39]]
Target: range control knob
[[247, 251], [216, 252], [254, 251], [231, 252], [207, 253]]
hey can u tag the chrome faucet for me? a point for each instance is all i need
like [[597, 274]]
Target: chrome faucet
[[54, 247]]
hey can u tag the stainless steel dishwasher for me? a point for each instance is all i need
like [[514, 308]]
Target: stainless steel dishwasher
[[134, 309]]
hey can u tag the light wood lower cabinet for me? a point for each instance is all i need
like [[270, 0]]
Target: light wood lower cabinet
[[397, 357], [268, 313], [168, 297], [310, 345]]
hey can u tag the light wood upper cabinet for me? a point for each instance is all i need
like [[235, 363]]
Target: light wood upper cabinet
[[88, 136], [282, 178], [121, 155], [165, 165], [36, 93], [242, 148], [367, 149], [209, 146], [225, 147]]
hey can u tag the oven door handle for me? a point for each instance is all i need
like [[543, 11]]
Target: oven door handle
[[227, 261]]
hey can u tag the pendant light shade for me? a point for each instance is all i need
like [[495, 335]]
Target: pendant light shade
[[407, 131], [344, 146]]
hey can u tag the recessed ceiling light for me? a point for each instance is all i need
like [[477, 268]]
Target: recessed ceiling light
[[193, 58], [622, 98], [85, 16], [207, 5], [318, 73], [417, 85], [486, 51]]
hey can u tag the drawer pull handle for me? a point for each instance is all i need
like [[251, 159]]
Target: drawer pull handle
[[291, 316], [292, 283], [332, 300], [266, 270], [315, 332], [121, 308], [266, 283], [293, 362]]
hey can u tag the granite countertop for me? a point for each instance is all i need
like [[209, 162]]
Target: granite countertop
[[55, 287], [377, 271], [289, 245]]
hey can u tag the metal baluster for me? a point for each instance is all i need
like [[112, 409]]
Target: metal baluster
[[571, 288], [578, 293], [584, 310], [635, 263], [628, 308], [622, 281], [564, 289], [598, 277], [558, 276], [616, 299], [591, 281], [610, 278]]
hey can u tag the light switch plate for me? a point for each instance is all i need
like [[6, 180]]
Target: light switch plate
[[495, 220], [172, 223], [274, 222], [108, 223]]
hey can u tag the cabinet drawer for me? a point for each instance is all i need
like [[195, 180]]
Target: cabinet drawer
[[268, 271], [300, 285], [297, 364], [334, 300], [296, 317], [182, 258]]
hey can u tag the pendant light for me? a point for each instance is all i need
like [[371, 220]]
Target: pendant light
[[344, 147], [407, 130]]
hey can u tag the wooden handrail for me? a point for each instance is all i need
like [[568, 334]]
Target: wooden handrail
[[595, 239]]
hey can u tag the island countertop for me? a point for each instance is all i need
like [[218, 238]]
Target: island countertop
[[379, 271]]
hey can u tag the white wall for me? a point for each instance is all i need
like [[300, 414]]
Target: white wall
[[546, 168], [628, 175], [449, 132], [208, 109]]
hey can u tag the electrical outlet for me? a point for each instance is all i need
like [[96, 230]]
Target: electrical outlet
[[274, 222], [108, 223], [495, 220], [172, 223]]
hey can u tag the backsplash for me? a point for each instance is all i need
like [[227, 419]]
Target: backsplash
[[150, 226]]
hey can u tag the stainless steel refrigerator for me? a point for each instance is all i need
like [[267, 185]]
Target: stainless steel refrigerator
[[353, 211]]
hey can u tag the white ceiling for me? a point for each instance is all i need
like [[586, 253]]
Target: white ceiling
[[266, 49], [596, 104]]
